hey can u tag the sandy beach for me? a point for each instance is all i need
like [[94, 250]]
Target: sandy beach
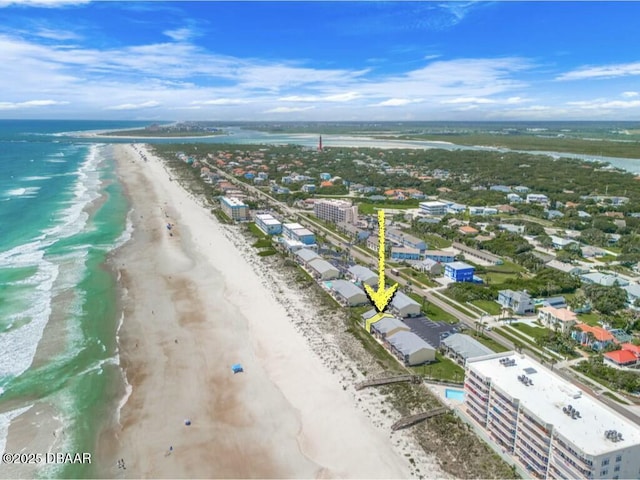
[[195, 304]]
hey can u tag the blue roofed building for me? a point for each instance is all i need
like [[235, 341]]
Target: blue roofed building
[[405, 253], [459, 271]]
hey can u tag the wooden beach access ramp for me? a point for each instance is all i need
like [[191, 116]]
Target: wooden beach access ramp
[[387, 380], [419, 417]]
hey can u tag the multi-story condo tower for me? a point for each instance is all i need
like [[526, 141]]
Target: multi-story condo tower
[[552, 428], [336, 211]]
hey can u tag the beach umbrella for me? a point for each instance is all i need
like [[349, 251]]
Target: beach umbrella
[[237, 368]]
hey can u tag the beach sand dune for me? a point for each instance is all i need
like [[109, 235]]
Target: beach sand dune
[[193, 306]]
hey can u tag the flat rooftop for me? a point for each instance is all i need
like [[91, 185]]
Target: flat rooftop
[[549, 394], [292, 226]]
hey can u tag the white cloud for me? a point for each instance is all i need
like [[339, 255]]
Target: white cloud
[[41, 3], [221, 101], [630, 94], [179, 34], [396, 102], [135, 106], [471, 100], [59, 35], [288, 109], [338, 97], [605, 71], [602, 104], [30, 104]]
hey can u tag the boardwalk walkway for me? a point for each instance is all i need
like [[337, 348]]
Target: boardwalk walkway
[[387, 380], [413, 419]]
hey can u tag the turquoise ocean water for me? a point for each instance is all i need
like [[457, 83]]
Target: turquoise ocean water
[[61, 212]]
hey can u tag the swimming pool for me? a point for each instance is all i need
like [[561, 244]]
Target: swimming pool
[[454, 394]]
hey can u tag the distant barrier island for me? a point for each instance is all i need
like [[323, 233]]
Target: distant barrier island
[[186, 129]]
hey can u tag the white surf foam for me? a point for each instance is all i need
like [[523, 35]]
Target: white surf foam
[[126, 234], [27, 192], [5, 422], [20, 344], [36, 178]]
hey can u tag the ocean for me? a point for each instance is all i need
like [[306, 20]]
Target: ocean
[[62, 211]]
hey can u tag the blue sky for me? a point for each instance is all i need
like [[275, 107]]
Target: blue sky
[[320, 60]]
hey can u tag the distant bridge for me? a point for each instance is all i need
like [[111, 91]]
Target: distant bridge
[[387, 380]]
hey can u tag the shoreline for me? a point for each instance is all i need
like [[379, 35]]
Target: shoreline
[[286, 416]]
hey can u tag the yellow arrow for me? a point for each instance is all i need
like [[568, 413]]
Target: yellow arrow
[[382, 297]]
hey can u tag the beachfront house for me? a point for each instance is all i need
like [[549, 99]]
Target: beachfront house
[[348, 294], [322, 270], [268, 224], [410, 349], [305, 256], [388, 326], [363, 275]]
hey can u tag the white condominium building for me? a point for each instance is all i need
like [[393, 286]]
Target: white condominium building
[[433, 208], [234, 208], [336, 211], [552, 428]]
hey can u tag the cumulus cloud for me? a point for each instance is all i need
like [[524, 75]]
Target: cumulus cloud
[[630, 94]]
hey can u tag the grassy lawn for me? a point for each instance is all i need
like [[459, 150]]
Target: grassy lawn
[[535, 332], [489, 342], [507, 267], [589, 318], [494, 278], [420, 277], [488, 306], [434, 312], [517, 338], [442, 369], [435, 242], [466, 309], [255, 231], [221, 216]]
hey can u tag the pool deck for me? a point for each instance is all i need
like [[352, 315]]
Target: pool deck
[[440, 392]]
